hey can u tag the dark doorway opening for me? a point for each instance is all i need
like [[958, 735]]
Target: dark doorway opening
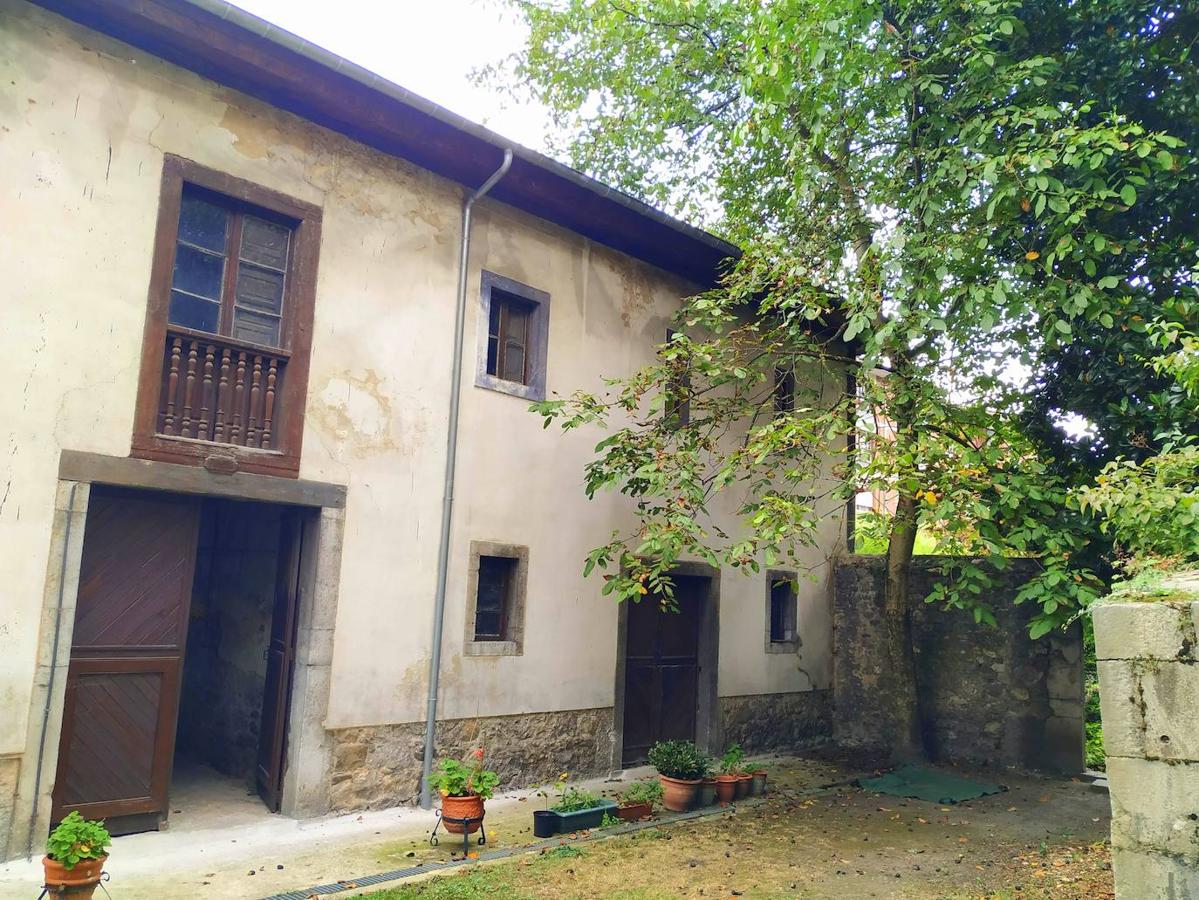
[[663, 668], [231, 694], [181, 660]]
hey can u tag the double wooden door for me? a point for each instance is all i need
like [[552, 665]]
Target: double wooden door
[[122, 693], [661, 691]]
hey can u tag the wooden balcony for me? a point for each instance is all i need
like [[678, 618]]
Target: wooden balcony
[[220, 390], [222, 403]]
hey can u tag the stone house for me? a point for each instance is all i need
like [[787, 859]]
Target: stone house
[[232, 268]]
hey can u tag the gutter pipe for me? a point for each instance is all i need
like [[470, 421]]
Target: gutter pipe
[[451, 464], [41, 745]]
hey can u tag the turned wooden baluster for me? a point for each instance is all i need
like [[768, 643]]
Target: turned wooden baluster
[[255, 393], [206, 391], [222, 397], [168, 421], [239, 391], [268, 403], [189, 389]]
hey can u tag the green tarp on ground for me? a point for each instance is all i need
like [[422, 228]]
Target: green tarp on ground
[[929, 784]]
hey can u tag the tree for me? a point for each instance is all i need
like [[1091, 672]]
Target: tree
[[922, 190]]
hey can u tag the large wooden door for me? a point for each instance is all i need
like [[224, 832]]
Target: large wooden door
[[661, 695], [122, 694], [280, 666]]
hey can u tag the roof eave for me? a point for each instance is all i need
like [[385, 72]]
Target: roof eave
[[232, 47]]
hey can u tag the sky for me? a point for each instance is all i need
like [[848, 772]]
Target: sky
[[429, 47]]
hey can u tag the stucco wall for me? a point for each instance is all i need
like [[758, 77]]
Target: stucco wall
[[989, 695], [1149, 693], [84, 124]]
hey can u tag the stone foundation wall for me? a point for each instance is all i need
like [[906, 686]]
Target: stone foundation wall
[[763, 723], [1149, 693], [10, 768], [989, 695], [375, 767]]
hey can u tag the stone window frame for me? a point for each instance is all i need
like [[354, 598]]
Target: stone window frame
[[793, 645], [514, 644], [538, 343]]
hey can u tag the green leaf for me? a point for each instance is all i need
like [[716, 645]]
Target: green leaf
[[1128, 194]]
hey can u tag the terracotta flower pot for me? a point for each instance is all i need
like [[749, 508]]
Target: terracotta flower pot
[[634, 812], [726, 788], [78, 882], [678, 794], [744, 781], [758, 787], [468, 807]]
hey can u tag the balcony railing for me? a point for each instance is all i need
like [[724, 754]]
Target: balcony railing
[[220, 390]]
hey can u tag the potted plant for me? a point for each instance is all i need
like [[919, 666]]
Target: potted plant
[[463, 788], [730, 770], [575, 810], [758, 786], [706, 795], [75, 856], [680, 767], [637, 802]]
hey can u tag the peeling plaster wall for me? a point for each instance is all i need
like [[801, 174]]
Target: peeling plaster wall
[[1149, 693], [84, 124]]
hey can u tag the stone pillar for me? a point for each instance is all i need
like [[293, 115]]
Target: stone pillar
[[1149, 693]]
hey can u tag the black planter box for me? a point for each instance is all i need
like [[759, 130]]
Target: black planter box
[[583, 818]]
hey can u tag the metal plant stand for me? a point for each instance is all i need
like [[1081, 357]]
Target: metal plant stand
[[465, 823]]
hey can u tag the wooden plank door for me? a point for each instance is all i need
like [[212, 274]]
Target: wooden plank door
[[280, 664], [122, 693], [661, 696]]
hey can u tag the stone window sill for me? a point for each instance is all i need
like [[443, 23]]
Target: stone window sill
[[782, 646], [492, 648]]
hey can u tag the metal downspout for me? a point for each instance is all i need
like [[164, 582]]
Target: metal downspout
[[41, 745], [451, 461]]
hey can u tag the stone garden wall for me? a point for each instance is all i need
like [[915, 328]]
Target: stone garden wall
[[989, 695], [1149, 693]]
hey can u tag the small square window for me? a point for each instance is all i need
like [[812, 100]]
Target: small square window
[[677, 409], [496, 574], [784, 391], [513, 337], [782, 608], [495, 595], [508, 337]]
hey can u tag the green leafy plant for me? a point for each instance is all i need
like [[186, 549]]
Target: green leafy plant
[[609, 821], [454, 778], [679, 759], [732, 763], [642, 792], [77, 839], [574, 799], [957, 190]]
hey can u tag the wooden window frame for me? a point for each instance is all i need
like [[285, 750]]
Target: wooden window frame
[[511, 642], [783, 393], [295, 329], [537, 341], [792, 644], [676, 409]]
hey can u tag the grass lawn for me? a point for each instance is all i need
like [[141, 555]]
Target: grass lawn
[[1041, 839]]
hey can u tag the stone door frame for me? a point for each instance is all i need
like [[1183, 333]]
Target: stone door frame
[[309, 753]]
